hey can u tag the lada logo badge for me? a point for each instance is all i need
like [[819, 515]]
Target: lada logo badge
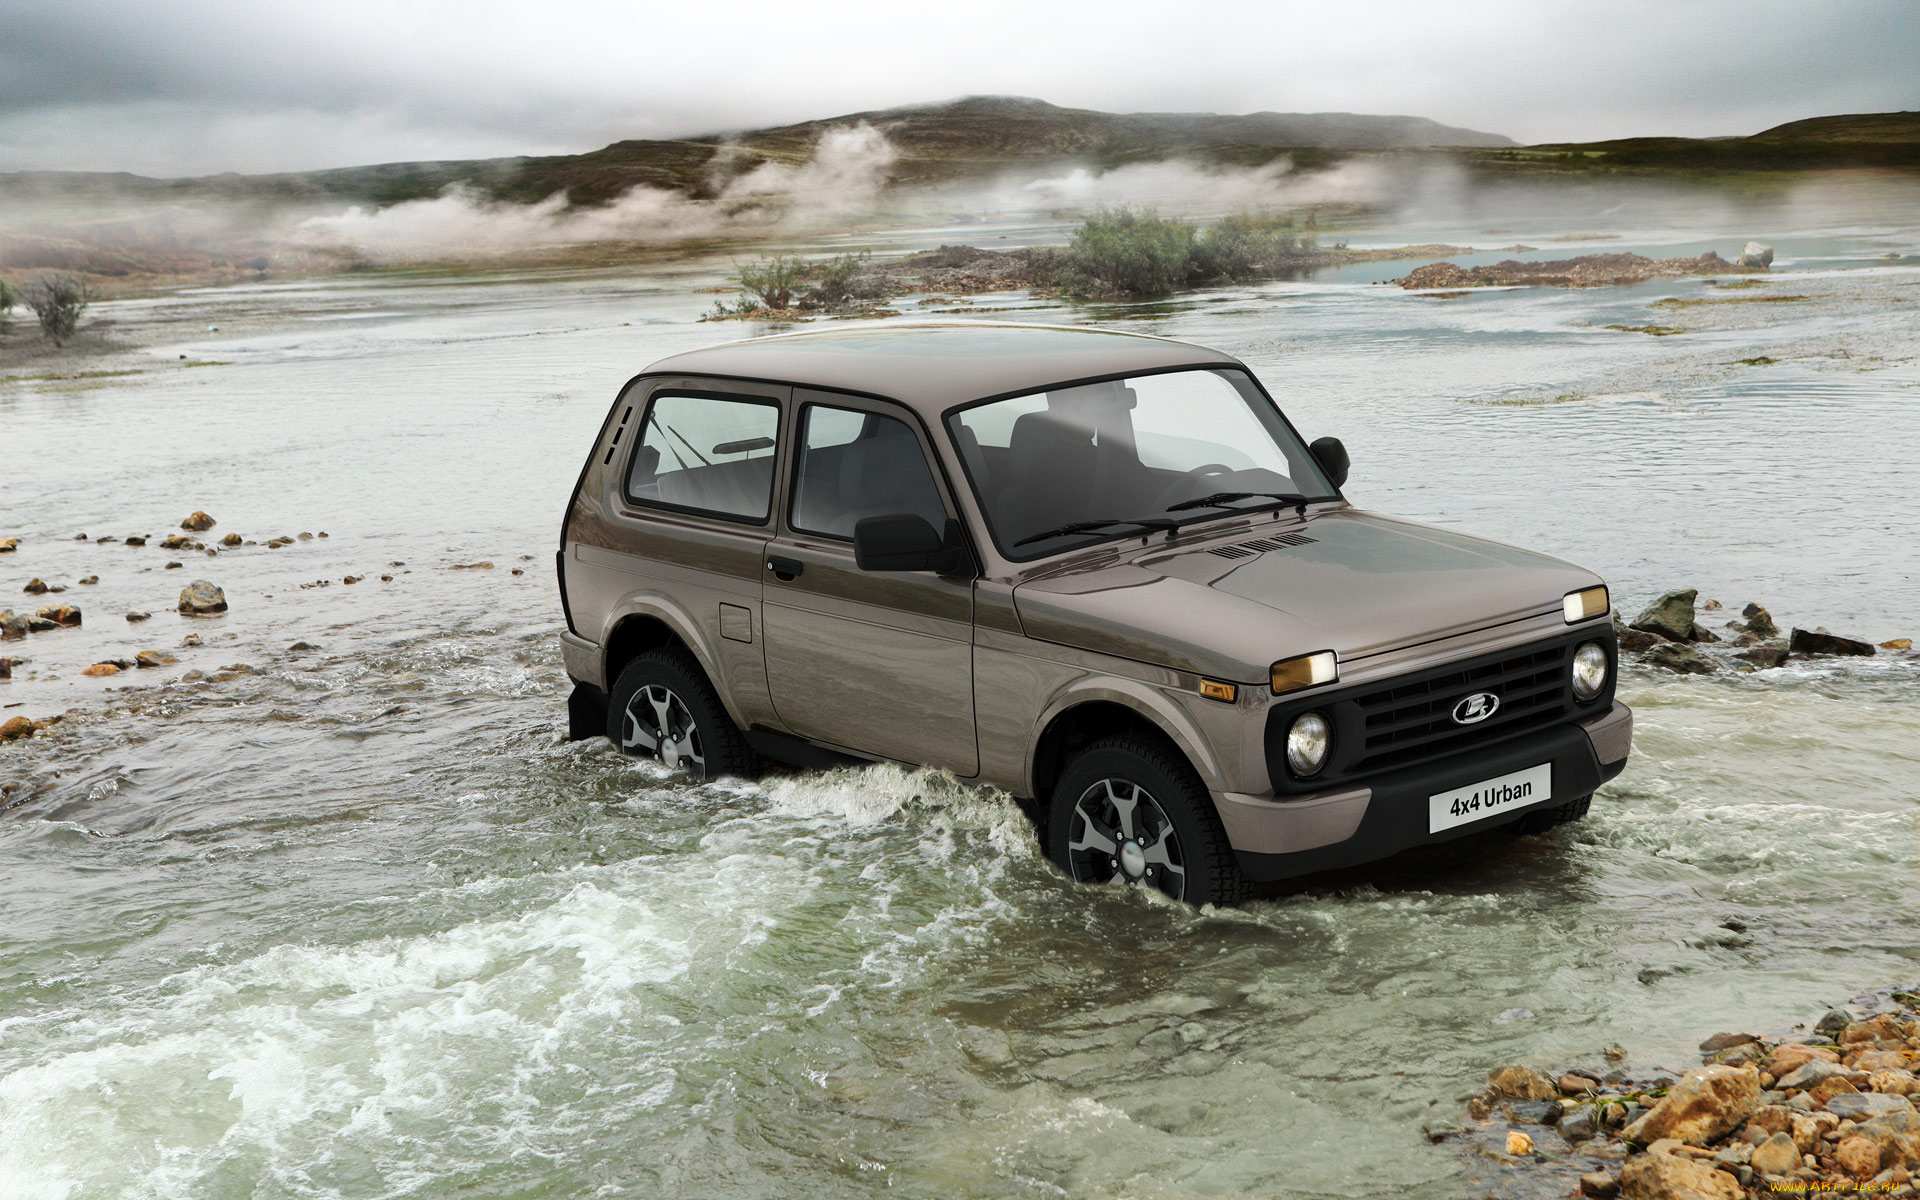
[[1475, 708]]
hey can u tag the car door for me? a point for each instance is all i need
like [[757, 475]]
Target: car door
[[692, 509], [879, 662]]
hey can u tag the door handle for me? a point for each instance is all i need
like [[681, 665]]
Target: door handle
[[786, 569]]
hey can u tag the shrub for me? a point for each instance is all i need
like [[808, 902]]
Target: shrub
[[58, 299], [837, 282], [8, 298], [774, 282], [1128, 252], [1242, 245]]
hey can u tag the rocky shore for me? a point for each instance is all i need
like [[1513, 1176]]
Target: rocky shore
[[1669, 634], [1829, 1109], [1590, 270]]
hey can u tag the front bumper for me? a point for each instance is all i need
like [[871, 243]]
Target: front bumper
[[1276, 837]]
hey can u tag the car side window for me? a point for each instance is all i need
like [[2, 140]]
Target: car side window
[[709, 454], [855, 464]]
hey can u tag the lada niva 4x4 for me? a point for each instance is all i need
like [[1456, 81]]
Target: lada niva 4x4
[[1099, 571]]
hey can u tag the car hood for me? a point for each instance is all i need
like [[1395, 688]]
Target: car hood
[[1230, 606]]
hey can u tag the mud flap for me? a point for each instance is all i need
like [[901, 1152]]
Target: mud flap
[[586, 713]]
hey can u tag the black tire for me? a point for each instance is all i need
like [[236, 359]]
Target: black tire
[[701, 739], [1548, 818], [1089, 829]]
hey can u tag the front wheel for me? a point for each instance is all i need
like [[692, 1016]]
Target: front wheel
[[1129, 811], [663, 707]]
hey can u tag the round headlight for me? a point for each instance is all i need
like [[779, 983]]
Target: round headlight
[[1308, 741], [1589, 670]]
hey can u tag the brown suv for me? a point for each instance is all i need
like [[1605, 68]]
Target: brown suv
[[1097, 570]]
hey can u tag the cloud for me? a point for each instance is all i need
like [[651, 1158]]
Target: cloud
[[842, 179]]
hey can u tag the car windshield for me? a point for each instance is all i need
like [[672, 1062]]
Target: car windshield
[[1071, 466]]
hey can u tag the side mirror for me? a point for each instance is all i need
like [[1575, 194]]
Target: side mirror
[[906, 542], [1331, 454]]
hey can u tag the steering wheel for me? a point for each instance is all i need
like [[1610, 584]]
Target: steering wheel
[[1171, 494]]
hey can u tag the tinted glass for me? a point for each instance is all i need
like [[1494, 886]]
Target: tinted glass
[[856, 464], [1127, 448], [707, 453]]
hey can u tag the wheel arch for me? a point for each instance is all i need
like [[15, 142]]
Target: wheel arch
[[649, 623], [1083, 715]]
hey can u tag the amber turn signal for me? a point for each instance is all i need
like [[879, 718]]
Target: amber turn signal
[[1213, 689], [1309, 670], [1588, 602]]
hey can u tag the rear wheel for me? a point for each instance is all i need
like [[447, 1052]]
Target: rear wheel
[[1129, 811], [663, 707]]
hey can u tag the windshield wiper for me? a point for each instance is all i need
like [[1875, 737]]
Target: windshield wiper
[[1225, 499], [1148, 523]]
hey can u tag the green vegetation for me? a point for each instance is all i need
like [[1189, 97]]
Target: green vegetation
[[1762, 361], [8, 298], [782, 288], [1653, 330], [1136, 252], [1676, 302], [58, 299]]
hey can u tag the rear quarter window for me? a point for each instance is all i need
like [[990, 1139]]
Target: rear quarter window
[[707, 454]]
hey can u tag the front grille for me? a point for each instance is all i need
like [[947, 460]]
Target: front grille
[[1403, 722]]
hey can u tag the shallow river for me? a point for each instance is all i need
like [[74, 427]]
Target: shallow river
[[360, 923]]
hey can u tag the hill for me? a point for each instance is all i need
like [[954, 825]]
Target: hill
[[972, 137], [1882, 140]]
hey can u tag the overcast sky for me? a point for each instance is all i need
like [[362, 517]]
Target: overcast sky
[[201, 86]]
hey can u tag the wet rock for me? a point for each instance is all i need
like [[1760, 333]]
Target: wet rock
[[35, 587], [352, 579], [1775, 1156], [1833, 1021], [174, 541], [1535, 1112], [298, 646], [136, 540], [1573, 1083], [12, 625], [276, 543], [1702, 1104], [1599, 1185], [90, 579], [1723, 1041], [1766, 658], [1684, 660], [1669, 617], [59, 614], [386, 579], [1756, 254], [1874, 1029], [198, 522], [1865, 1106], [1898, 1082], [1523, 1083], [137, 615], [99, 541], [192, 639], [1793, 1055], [9, 545], [16, 728], [1662, 1175], [1630, 638], [472, 566], [1805, 641], [1810, 1073], [202, 597], [175, 566], [518, 571], [306, 537], [1746, 1052], [1580, 1124], [1897, 644], [232, 539], [1759, 621], [101, 668], [6, 668], [1518, 1143], [193, 677]]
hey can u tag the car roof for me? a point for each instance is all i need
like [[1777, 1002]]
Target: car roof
[[934, 366]]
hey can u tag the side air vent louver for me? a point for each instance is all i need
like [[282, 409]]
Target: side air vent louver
[[1262, 545]]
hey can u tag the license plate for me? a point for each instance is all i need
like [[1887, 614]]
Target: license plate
[[1489, 798]]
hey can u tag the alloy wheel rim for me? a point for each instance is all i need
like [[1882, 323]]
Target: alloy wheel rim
[[1120, 836], [659, 723]]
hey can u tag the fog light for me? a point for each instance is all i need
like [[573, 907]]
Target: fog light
[[1589, 670], [1292, 674], [1580, 605], [1308, 741]]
